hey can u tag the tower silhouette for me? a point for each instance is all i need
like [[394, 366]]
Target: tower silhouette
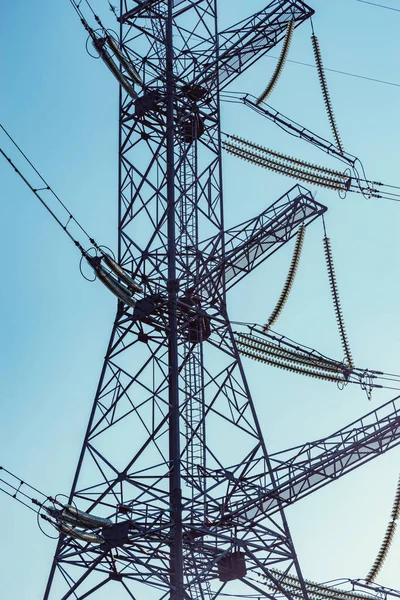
[[173, 464]]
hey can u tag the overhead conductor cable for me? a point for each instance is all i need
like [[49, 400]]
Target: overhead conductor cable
[[289, 279], [279, 67], [109, 272]]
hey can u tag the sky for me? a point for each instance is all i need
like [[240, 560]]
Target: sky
[[62, 108]]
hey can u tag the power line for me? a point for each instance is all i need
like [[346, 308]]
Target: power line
[[304, 64], [378, 5]]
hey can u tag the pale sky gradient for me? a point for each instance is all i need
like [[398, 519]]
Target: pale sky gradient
[[62, 108]]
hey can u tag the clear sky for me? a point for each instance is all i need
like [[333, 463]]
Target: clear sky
[[62, 108]]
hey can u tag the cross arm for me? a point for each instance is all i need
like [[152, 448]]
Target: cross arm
[[297, 130], [247, 41], [302, 470], [252, 242]]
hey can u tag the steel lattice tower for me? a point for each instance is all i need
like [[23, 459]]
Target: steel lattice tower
[[173, 452]]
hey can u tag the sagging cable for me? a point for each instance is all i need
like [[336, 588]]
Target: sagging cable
[[108, 271], [279, 67], [21, 491], [324, 89], [387, 539], [289, 279], [336, 301]]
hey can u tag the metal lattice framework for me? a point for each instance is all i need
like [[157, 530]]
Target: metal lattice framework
[[191, 518]]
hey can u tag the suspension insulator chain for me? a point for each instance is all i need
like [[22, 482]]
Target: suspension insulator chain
[[293, 368], [279, 67], [261, 348], [318, 179], [284, 157], [387, 539], [325, 93], [396, 503], [336, 302], [289, 279], [289, 364], [315, 590]]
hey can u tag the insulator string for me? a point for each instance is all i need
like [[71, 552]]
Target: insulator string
[[281, 168], [260, 348], [336, 301], [289, 279], [387, 538], [324, 89], [307, 172], [284, 157], [291, 367], [272, 343], [279, 66], [288, 364], [314, 590]]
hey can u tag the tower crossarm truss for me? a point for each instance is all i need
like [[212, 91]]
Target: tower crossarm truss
[[247, 41], [301, 470], [249, 244]]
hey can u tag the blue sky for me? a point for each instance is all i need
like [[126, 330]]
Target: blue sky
[[61, 106]]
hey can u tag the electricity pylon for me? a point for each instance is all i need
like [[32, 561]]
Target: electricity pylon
[[173, 459]]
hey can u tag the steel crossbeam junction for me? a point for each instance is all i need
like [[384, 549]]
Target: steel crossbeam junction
[[181, 515]]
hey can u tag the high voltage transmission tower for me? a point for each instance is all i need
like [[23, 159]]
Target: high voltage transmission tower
[[183, 504], [175, 496]]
